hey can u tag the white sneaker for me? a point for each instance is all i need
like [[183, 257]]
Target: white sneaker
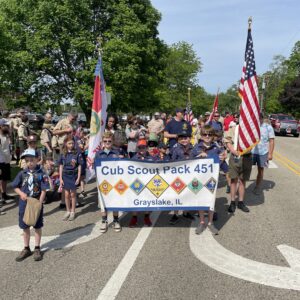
[[66, 216], [72, 216], [103, 226], [117, 226]]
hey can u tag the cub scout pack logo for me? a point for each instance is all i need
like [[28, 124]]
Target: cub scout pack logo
[[211, 184], [184, 126], [157, 185], [178, 185], [105, 187], [195, 186], [137, 186], [95, 123], [121, 187]]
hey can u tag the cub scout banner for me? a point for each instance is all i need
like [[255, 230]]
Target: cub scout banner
[[127, 185]]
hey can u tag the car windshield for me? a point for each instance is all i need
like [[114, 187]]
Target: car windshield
[[283, 118]]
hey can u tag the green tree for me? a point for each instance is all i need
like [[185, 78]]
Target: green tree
[[51, 55], [181, 69]]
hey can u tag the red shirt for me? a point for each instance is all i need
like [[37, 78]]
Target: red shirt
[[227, 121]]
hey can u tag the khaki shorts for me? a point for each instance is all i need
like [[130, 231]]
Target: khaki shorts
[[240, 168]]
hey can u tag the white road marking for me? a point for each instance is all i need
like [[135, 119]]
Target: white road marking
[[11, 237], [210, 252], [113, 286]]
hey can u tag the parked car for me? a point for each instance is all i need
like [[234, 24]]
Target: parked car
[[285, 124]]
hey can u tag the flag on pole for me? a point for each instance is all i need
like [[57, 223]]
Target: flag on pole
[[98, 118], [215, 108], [188, 115], [249, 124]]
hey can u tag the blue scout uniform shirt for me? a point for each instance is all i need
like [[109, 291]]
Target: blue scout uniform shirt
[[32, 183], [216, 125], [70, 161], [213, 149], [146, 156], [181, 152], [110, 154], [176, 127]]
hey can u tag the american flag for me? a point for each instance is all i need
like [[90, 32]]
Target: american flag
[[188, 115], [249, 125]]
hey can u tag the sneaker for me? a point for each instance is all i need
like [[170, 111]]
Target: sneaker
[[79, 204], [117, 227], [213, 229], [243, 207], [227, 189], [23, 254], [188, 215], [7, 197], [103, 226], [232, 207], [66, 216], [174, 220], [37, 255], [62, 205], [133, 222], [147, 221], [200, 228], [72, 216]]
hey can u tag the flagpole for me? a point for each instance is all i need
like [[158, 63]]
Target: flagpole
[[249, 23]]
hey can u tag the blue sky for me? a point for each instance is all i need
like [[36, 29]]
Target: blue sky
[[217, 29]]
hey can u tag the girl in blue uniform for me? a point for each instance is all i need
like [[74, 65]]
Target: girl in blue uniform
[[69, 175]]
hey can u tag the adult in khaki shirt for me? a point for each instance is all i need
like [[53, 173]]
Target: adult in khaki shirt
[[156, 125], [239, 170], [63, 128], [46, 134]]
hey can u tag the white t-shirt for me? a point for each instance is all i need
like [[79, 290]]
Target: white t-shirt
[[5, 156]]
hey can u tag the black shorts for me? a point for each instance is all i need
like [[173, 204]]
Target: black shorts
[[5, 172]]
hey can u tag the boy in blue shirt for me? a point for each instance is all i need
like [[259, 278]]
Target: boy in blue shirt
[[31, 182], [204, 148]]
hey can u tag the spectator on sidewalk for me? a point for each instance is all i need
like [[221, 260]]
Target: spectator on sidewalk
[[263, 152]]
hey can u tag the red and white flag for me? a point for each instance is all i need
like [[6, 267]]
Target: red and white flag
[[249, 124], [98, 119], [215, 108]]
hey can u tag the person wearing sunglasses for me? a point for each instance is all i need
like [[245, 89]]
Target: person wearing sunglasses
[[205, 148], [108, 152], [182, 150], [143, 154]]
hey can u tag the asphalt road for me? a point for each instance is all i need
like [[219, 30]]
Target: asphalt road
[[158, 262]]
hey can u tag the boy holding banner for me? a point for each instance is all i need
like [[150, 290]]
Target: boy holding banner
[[203, 149], [182, 150], [108, 152]]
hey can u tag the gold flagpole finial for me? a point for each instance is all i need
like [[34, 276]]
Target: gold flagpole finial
[[249, 23]]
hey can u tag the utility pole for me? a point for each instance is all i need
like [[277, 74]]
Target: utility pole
[[262, 98]]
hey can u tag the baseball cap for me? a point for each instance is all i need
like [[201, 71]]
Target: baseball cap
[[157, 114], [142, 143], [184, 133], [207, 113], [178, 109], [21, 110], [29, 153], [31, 138]]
